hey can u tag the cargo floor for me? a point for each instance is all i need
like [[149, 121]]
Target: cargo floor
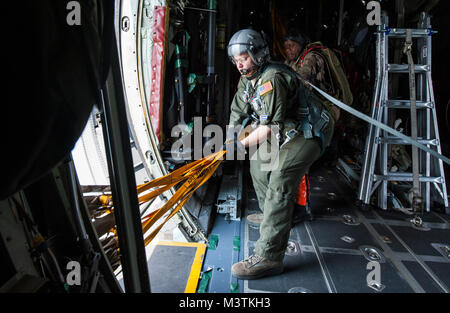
[[341, 250]]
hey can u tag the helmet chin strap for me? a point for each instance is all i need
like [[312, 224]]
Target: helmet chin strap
[[257, 68], [246, 71], [249, 70]]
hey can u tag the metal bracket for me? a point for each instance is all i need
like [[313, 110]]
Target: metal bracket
[[348, 239], [372, 254], [228, 199], [377, 287], [299, 290], [293, 248], [417, 223], [350, 220]]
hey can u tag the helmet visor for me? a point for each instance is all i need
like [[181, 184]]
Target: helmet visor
[[237, 49]]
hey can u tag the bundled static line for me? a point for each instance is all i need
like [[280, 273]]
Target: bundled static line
[[193, 175]]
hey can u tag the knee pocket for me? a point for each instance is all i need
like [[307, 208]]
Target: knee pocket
[[279, 195]]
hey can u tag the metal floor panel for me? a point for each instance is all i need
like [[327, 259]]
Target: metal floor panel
[[393, 215], [422, 277], [220, 259], [327, 263], [349, 275], [420, 241], [389, 238], [442, 270], [444, 217], [413, 240], [329, 234]]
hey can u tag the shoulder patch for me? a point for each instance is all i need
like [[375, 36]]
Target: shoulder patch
[[265, 88]]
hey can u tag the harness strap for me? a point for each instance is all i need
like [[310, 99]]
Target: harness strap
[[312, 119], [412, 93], [382, 126], [309, 50]]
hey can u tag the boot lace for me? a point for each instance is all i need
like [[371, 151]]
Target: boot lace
[[253, 260]]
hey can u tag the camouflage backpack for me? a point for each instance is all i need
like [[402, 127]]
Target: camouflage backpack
[[335, 70]]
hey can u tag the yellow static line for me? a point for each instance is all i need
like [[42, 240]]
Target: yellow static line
[[191, 285]]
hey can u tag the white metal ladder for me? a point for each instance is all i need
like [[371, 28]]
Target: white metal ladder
[[431, 170]]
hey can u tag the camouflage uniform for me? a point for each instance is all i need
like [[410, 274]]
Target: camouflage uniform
[[272, 99], [315, 70]]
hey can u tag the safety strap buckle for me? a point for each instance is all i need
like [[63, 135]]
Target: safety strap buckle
[[254, 118], [307, 131], [291, 134], [303, 112], [323, 122]]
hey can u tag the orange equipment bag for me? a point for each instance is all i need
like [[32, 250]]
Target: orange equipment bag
[[303, 192]]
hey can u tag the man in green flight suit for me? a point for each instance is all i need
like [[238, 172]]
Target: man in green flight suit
[[269, 92]]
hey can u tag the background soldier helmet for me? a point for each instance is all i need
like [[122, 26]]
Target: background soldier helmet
[[294, 35]]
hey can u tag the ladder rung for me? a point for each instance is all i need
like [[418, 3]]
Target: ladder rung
[[416, 33], [398, 141], [403, 68], [406, 104], [406, 177]]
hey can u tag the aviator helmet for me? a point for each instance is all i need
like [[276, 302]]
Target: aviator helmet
[[252, 42]]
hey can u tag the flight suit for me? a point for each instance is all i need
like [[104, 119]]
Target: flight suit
[[272, 100]]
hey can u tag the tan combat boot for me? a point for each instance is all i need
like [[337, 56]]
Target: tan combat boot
[[256, 267]]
